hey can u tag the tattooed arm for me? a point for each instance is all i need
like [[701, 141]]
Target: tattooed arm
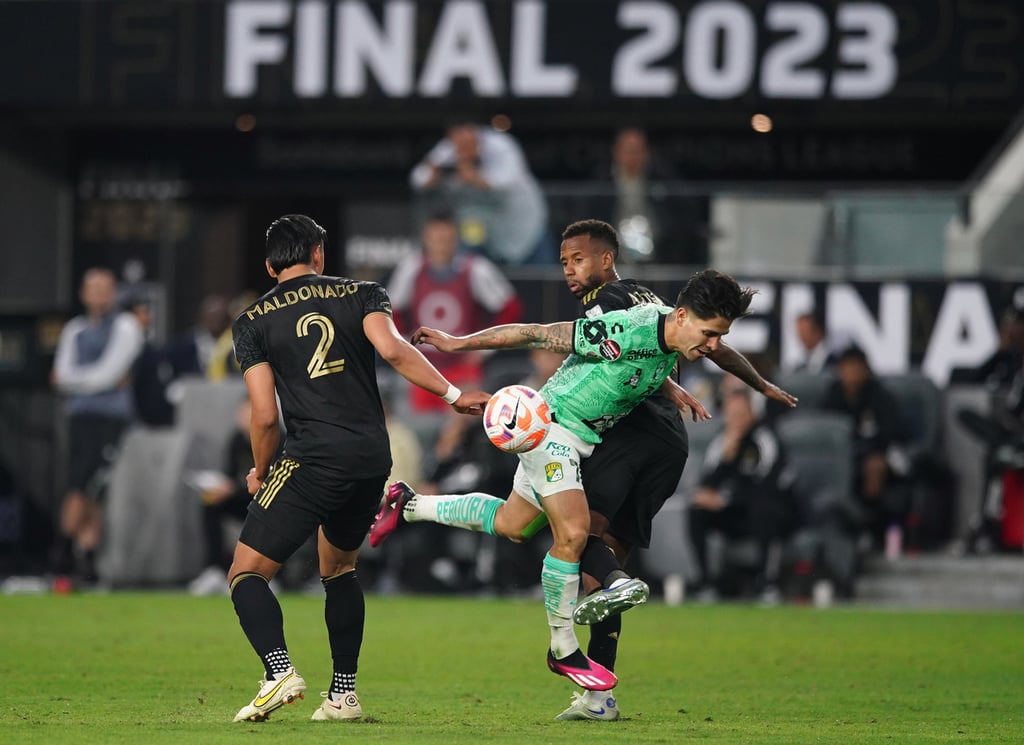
[[555, 337], [734, 362]]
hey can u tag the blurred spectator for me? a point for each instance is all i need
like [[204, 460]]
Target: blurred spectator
[[999, 370], [193, 352], [654, 226], [877, 434], [222, 361], [454, 291], [225, 497], [406, 452], [482, 175], [92, 368], [1002, 431], [152, 372], [1003, 435], [745, 492], [816, 357]]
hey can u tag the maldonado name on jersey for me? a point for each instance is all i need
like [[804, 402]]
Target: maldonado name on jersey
[[306, 292]]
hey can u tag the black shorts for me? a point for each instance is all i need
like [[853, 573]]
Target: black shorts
[[296, 499], [92, 444], [628, 478]]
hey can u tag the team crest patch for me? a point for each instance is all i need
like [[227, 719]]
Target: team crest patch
[[553, 472], [610, 350]]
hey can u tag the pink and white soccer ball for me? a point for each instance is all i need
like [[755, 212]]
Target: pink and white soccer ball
[[516, 419]]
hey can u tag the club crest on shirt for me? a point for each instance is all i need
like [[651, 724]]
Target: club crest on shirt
[[610, 350], [553, 472]]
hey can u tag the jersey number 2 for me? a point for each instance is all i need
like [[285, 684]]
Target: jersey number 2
[[318, 365]]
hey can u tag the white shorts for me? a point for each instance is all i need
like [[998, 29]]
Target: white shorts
[[551, 468]]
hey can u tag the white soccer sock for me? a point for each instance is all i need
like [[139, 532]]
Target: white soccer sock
[[561, 583], [474, 511]]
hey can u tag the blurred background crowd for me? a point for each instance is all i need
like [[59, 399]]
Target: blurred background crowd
[[873, 200]]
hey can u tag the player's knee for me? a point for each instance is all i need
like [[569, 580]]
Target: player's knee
[[513, 533], [572, 537]]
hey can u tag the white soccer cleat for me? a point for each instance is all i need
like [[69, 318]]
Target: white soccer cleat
[[274, 693], [346, 710], [597, 606], [596, 705]]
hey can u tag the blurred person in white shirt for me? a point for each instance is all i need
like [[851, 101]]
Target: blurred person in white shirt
[[92, 370], [483, 176]]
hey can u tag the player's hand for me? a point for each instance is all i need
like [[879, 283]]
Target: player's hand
[[253, 482], [773, 391], [472, 402], [438, 339], [684, 400]]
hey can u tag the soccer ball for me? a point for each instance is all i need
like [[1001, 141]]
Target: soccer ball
[[516, 419]]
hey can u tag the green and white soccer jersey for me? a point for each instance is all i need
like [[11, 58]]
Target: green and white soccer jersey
[[620, 359]]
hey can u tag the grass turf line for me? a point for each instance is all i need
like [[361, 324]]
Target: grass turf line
[[168, 668]]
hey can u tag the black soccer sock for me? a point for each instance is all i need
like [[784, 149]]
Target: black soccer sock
[[345, 614], [261, 619], [604, 641], [599, 562], [575, 659]]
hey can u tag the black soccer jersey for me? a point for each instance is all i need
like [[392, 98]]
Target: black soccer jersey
[[655, 414], [309, 329]]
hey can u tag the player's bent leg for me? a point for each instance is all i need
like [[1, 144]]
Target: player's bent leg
[[516, 518], [593, 705], [475, 511], [621, 596]]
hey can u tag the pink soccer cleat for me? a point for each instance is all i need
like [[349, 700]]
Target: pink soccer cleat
[[594, 677], [390, 515]]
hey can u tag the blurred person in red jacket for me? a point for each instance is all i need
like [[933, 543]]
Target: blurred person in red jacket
[[452, 290]]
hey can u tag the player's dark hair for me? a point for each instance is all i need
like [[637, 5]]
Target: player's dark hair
[[596, 230], [291, 240], [711, 294]]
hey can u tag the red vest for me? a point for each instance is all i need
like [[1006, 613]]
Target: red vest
[[447, 305]]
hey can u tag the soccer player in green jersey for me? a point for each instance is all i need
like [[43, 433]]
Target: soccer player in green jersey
[[616, 360]]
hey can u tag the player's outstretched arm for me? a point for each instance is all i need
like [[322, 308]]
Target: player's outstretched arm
[[410, 363], [555, 337], [733, 362]]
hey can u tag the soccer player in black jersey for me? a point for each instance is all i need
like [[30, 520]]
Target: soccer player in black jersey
[[311, 342], [638, 464]]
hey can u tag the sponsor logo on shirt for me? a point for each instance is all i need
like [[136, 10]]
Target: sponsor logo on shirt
[[610, 350], [558, 450], [641, 354]]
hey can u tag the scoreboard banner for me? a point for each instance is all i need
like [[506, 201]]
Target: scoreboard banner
[[936, 63]]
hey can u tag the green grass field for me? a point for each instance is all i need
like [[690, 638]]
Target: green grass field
[[168, 668]]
